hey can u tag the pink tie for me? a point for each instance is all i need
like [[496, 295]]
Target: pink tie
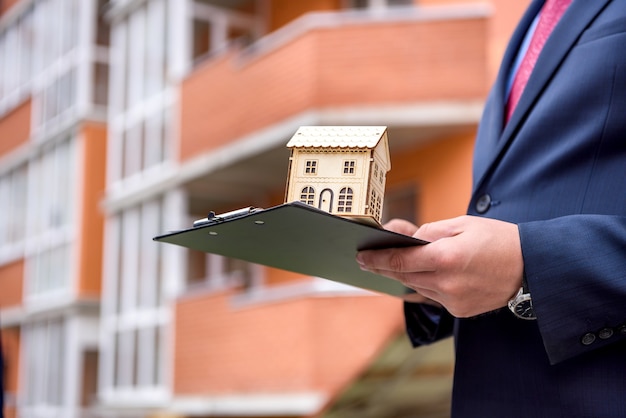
[[550, 14]]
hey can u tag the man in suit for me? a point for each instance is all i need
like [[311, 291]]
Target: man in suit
[[1, 380], [532, 282]]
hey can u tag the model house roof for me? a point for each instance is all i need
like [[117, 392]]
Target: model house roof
[[337, 136]]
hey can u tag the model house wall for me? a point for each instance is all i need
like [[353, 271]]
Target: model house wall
[[340, 169]]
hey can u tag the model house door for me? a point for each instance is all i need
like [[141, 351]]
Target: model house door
[[326, 200]]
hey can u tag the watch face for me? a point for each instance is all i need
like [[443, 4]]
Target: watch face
[[524, 309]]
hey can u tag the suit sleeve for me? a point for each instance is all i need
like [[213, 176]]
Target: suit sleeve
[[575, 267], [427, 324]]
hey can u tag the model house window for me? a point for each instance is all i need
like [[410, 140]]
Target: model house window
[[349, 166], [310, 167], [307, 195], [375, 204], [345, 200]]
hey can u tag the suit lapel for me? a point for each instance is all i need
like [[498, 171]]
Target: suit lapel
[[490, 129], [577, 17]]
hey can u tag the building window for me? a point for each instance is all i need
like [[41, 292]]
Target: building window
[[44, 348], [133, 352], [49, 271], [52, 199], [308, 195], [376, 4], [58, 99], [13, 195], [43, 56], [345, 200], [349, 166], [402, 203], [52, 178], [310, 167], [215, 27], [62, 88], [140, 128], [17, 52], [217, 272]]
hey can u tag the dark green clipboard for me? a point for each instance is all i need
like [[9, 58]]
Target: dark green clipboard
[[298, 238]]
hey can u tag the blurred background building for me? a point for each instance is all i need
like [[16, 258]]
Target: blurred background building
[[123, 119]]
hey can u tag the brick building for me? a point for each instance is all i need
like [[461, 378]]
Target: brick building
[[122, 119]]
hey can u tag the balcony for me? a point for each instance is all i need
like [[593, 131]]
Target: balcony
[[423, 72]]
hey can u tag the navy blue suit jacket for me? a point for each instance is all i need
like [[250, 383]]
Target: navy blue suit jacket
[[558, 170], [1, 381]]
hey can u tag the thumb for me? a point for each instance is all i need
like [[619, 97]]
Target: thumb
[[401, 226], [434, 231]]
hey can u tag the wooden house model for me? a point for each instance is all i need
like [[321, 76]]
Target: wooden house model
[[340, 169]]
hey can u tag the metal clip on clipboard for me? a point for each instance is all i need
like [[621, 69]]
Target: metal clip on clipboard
[[212, 218]]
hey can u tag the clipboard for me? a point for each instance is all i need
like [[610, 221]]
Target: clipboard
[[299, 238]]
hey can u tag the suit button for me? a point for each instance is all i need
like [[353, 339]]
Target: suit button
[[483, 203], [622, 330], [605, 333], [588, 338]]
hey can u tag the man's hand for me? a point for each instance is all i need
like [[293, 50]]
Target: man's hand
[[473, 265]]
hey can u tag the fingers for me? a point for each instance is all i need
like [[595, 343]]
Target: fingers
[[394, 260], [472, 265], [428, 231], [398, 262], [405, 266]]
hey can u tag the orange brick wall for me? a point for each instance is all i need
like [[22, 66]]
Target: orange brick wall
[[92, 222], [275, 276], [350, 333], [11, 284], [225, 99], [506, 14], [15, 128], [11, 354], [219, 351], [291, 346], [442, 170], [216, 99], [403, 62], [5, 5]]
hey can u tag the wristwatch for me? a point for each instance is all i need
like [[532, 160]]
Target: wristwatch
[[521, 304]]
